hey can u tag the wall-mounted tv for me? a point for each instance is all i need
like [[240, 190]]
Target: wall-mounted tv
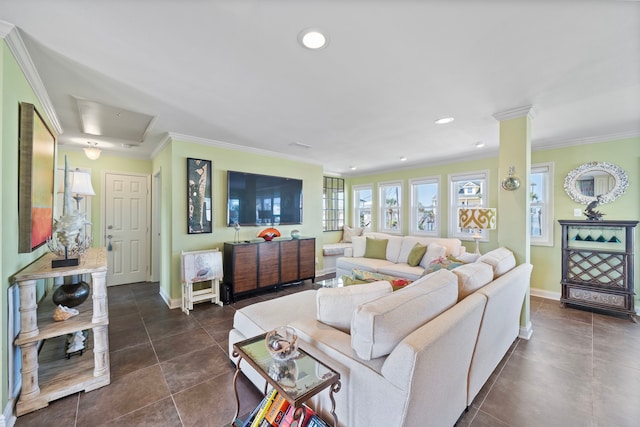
[[263, 199]]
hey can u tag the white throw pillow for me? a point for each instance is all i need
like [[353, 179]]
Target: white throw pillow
[[336, 305], [472, 277], [501, 260], [434, 251], [379, 325], [359, 246]]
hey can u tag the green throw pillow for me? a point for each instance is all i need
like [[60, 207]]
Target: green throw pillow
[[376, 248], [416, 254]]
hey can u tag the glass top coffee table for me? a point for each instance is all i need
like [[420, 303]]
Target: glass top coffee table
[[297, 379]]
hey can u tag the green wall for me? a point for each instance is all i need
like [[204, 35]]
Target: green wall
[[14, 89], [222, 161], [624, 154], [545, 259], [106, 163]]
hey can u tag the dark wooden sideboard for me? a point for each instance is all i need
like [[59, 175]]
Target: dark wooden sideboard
[[259, 265], [598, 265]]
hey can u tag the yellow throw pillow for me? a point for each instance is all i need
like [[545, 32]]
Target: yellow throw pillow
[[376, 248], [416, 254]]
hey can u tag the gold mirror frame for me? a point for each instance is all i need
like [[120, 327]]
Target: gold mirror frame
[[620, 184]]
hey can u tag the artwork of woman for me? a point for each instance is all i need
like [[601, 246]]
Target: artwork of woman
[[198, 181]]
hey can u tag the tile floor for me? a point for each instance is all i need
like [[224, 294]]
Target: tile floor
[[169, 369]]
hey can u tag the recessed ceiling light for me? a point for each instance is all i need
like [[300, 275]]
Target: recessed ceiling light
[[353, 168], [313, 39], [403, 159], [479, 144], [444, 120]]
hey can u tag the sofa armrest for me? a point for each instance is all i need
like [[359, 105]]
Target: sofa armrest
[[434, 361], [348, 252]]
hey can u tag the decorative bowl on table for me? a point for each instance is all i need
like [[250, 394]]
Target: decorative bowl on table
[[285, 372], [268, 234], [282, 343]]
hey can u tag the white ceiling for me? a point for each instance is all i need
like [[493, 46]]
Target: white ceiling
[[232, 73]]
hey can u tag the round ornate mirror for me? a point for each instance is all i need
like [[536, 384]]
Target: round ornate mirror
[[593, 179]]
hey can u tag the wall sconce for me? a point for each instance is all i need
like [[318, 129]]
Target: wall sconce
[[511, 182], [92, 151], [477, 219]]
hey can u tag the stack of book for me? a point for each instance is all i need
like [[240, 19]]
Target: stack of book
[[275, 411]]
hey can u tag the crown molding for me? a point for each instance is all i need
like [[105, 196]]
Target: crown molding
[[514, 113], [229, 146], [166, 139], [549, 144], [11, 36]]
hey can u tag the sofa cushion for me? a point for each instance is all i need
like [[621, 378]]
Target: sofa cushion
[[379, 325], [501, 260], [408, 243], [368, 264], [434, 251], [402, 270], [333, 249], [258, 318], [335, 306], [416, 254], [349, 232], [376, 248], [472, 277]]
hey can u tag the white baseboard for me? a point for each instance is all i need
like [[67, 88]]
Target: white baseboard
[[171, 303], [541, 293], [8, 419], [526, 331]]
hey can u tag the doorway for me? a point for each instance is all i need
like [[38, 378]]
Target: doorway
[[126, 229]]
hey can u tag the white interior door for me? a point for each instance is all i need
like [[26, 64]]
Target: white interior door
[[126, 229]]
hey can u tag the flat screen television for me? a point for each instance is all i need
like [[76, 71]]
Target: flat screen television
[[263, 199]]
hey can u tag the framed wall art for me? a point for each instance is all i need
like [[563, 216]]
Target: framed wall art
[[36, 174], [198, 196]]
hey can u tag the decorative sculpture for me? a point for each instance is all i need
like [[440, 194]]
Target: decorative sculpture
[[67, 240], [590, 213]]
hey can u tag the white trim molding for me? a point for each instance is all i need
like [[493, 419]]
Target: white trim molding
[[8, 419], [514, 113], [11, 36]]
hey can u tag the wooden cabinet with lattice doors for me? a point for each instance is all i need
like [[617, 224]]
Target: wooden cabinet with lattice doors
[[597, 265]]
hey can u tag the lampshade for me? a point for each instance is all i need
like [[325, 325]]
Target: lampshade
[[92, 151], [478, 218], [81, 183]]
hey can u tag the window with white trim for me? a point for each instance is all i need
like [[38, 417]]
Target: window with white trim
[[390, 204], [467, 190], [362, 205], [425, 215], [541, 206], [333, 204]]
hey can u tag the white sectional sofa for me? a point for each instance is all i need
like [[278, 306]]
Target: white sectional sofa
[[414, 357], [397, 253]]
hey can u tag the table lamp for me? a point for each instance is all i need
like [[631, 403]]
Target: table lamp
[[477, 219]]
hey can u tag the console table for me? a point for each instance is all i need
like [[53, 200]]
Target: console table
[[256, 265], [47, 374], [597, 265]]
